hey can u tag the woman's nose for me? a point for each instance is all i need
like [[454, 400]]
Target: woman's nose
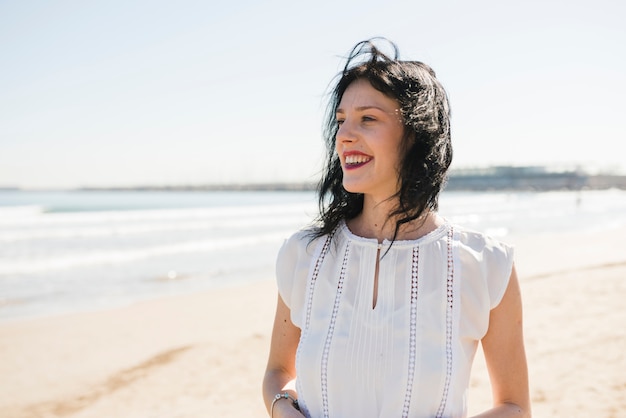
[[345, 133]]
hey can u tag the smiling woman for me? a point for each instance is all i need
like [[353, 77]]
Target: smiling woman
[[382, 304]]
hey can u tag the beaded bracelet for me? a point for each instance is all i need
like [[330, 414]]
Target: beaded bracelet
[[280, 396]]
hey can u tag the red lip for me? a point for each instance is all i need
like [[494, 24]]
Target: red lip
[[354, 152], [347, 166]]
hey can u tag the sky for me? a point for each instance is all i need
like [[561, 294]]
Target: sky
[[130, 93]]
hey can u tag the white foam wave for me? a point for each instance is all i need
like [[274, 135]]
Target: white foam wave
[[11, 266], [35, 216], [11, 214], [139, 228]]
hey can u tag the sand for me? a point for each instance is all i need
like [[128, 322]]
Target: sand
[[203, 355]]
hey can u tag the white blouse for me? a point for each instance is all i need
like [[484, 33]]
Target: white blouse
[[410, 355]]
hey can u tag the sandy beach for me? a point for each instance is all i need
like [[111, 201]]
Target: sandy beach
[[203, 355]]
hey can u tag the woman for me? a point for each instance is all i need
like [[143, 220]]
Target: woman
[[382, 304]]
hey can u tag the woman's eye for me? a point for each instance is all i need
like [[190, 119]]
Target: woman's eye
[[339, 122], [368, 119]]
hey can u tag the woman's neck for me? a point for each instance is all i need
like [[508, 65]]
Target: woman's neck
[[374, 222]]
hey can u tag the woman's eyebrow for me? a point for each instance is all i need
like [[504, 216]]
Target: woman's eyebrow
[[362, 108]]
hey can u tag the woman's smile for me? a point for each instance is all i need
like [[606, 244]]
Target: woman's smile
[[355, 159]]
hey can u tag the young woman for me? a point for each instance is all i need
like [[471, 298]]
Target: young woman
[[382, 304]]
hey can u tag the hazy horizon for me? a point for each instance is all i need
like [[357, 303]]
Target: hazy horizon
[[310, 184]]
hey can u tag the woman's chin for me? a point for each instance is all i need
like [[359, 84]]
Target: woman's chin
[[352, 187]]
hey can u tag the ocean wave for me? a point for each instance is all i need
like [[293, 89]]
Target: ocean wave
[[37, 216], [12, 214], [125, 229], [13, 266]]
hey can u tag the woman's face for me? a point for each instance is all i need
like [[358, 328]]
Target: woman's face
[[369, 140]]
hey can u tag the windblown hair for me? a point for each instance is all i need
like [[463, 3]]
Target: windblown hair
[[426, 147]]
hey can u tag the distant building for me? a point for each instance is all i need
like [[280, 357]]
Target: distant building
[[516, 178]]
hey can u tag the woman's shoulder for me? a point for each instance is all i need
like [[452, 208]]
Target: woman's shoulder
[[292, 266], [302, 241], [486, 262], [480, 241], [487, 251], [299, 248]]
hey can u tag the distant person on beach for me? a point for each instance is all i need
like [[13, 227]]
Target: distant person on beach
[[382, 303]]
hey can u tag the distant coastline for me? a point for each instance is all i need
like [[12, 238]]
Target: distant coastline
[[500, 178], [531, 178], [497, 178]]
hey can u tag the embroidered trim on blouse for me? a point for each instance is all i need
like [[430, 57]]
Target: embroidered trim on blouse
[[331, 329], [309, 303], [413, 332], [316, 271], [449, 309]]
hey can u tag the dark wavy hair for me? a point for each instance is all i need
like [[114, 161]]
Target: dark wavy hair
[[426, 145]]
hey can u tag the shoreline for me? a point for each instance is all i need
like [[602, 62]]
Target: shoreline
[[204, 354]]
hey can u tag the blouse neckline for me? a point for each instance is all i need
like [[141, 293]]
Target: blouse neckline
[[433, 235]]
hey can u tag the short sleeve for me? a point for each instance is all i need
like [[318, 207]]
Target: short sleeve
[[498, 258], [292, 266], [485, 269], [487, 264]]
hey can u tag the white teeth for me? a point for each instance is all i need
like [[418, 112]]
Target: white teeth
[[357, 159]]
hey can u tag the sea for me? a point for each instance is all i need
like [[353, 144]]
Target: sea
[[70, 251]]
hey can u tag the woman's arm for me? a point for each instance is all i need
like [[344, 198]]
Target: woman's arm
[[280, 373], [503, 346]]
